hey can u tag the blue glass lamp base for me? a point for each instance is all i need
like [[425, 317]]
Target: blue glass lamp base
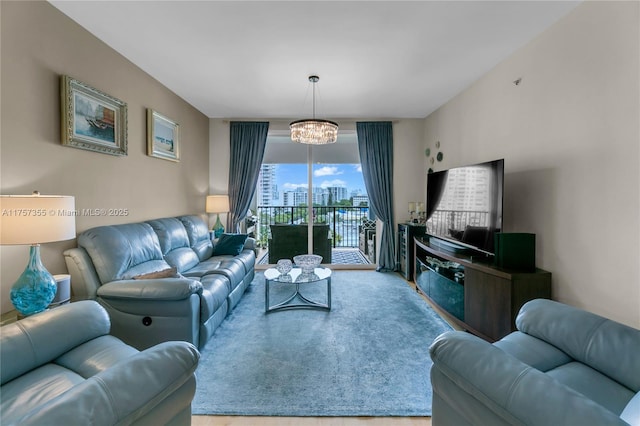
[[218, 229], [35, 288]]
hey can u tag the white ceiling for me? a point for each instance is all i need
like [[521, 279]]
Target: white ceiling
[[375, 59]]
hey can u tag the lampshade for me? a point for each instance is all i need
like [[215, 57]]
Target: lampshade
[[217, 204], [312, 131], [36, 219]]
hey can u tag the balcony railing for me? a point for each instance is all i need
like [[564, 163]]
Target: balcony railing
[[343, 221]]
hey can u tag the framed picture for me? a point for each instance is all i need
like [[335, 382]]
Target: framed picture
[[92, 119], [163, 138]]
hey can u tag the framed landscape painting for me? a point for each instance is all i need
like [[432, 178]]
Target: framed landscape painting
[[163, 139], [92, 119]]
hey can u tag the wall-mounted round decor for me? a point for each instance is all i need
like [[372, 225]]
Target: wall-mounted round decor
[[427, 152], [439, 156], [438, 144], [431, 160]]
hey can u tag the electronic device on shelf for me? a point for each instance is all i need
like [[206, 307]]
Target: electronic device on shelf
[[464, 207]]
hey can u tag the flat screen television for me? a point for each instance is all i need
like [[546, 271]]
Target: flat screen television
[[464, 206]]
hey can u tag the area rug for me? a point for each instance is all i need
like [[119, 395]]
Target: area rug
[[368, 356]]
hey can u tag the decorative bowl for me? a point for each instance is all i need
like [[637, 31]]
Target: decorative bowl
[[307, 262], [284, 266]]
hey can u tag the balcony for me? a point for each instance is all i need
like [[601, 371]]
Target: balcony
[[344, 226]]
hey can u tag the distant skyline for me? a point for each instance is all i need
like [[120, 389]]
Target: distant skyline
[[289, 177]]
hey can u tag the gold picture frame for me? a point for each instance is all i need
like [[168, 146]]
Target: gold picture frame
[[91, 119], [163, 136]]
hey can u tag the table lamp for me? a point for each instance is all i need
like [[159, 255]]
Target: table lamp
[[217, 204], [35, 219]]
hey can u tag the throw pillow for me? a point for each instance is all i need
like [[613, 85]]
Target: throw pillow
[[229, 244], [165, 273]]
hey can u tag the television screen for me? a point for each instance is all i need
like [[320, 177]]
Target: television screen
[[464, 205]]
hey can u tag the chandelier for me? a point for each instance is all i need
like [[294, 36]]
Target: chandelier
[[312, 131]]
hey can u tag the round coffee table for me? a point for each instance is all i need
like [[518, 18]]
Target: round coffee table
[[296, 278]]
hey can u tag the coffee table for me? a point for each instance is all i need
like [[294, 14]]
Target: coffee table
[[296, 279]]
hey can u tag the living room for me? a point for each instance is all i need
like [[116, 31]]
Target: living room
[[568, 131]]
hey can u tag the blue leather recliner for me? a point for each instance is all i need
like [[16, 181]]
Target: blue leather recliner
[[128, 270], [61, 367], [563, 366]]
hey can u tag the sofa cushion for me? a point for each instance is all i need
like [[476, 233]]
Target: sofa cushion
[[598, 342], [174, 243], [594, 385], [199, 238], [532, 351], [123, 251], [230, 244], [94, 356], [34, 389]]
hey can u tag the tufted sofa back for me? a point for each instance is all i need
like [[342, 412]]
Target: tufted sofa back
[[174, 243], [120, 252], [199, 238]]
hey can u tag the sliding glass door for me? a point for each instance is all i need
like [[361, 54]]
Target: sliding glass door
[[312, 199]]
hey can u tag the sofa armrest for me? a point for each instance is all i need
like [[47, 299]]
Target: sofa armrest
[[125, 392], [508, 388], [154, 289]]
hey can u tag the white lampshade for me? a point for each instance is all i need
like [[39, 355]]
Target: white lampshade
[[36, 219], [217, 204]]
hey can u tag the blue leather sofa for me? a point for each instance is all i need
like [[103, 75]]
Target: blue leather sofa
[[563, 366], [61, 367], [159, 280]]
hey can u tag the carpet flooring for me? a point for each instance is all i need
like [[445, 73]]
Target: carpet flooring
[[368, 356]]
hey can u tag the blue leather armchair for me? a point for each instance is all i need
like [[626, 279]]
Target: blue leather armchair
[[564, 366], [61, 367]]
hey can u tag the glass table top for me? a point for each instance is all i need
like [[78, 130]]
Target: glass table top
[[296, 275]]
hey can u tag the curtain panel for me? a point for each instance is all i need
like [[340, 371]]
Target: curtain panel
[[248, 140], [375, 144]]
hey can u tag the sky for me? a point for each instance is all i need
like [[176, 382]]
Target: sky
[[292, 176]]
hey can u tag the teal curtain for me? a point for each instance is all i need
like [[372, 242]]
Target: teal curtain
[[248, 140], [375, 144]]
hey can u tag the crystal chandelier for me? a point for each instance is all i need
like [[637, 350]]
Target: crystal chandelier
[[312, 131]]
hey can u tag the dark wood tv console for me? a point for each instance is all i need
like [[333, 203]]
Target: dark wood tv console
[[476, 295]]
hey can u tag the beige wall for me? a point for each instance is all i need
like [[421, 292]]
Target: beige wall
[[38, 45], [569, 134]]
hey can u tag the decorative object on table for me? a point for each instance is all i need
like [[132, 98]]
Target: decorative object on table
[[217, 204], [420, 212], [63, 291], [284, 266], [307, 262], [35, 219], [91, 119], [312, 131], [412, 210], [163, 137]]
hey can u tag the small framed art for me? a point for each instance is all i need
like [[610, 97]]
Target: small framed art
[[91, 119], [163, 136]]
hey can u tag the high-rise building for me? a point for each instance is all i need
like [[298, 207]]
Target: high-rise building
[[338, 193], [267, 188]]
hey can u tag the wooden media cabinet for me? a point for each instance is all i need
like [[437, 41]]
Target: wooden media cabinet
[[476, 295]]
